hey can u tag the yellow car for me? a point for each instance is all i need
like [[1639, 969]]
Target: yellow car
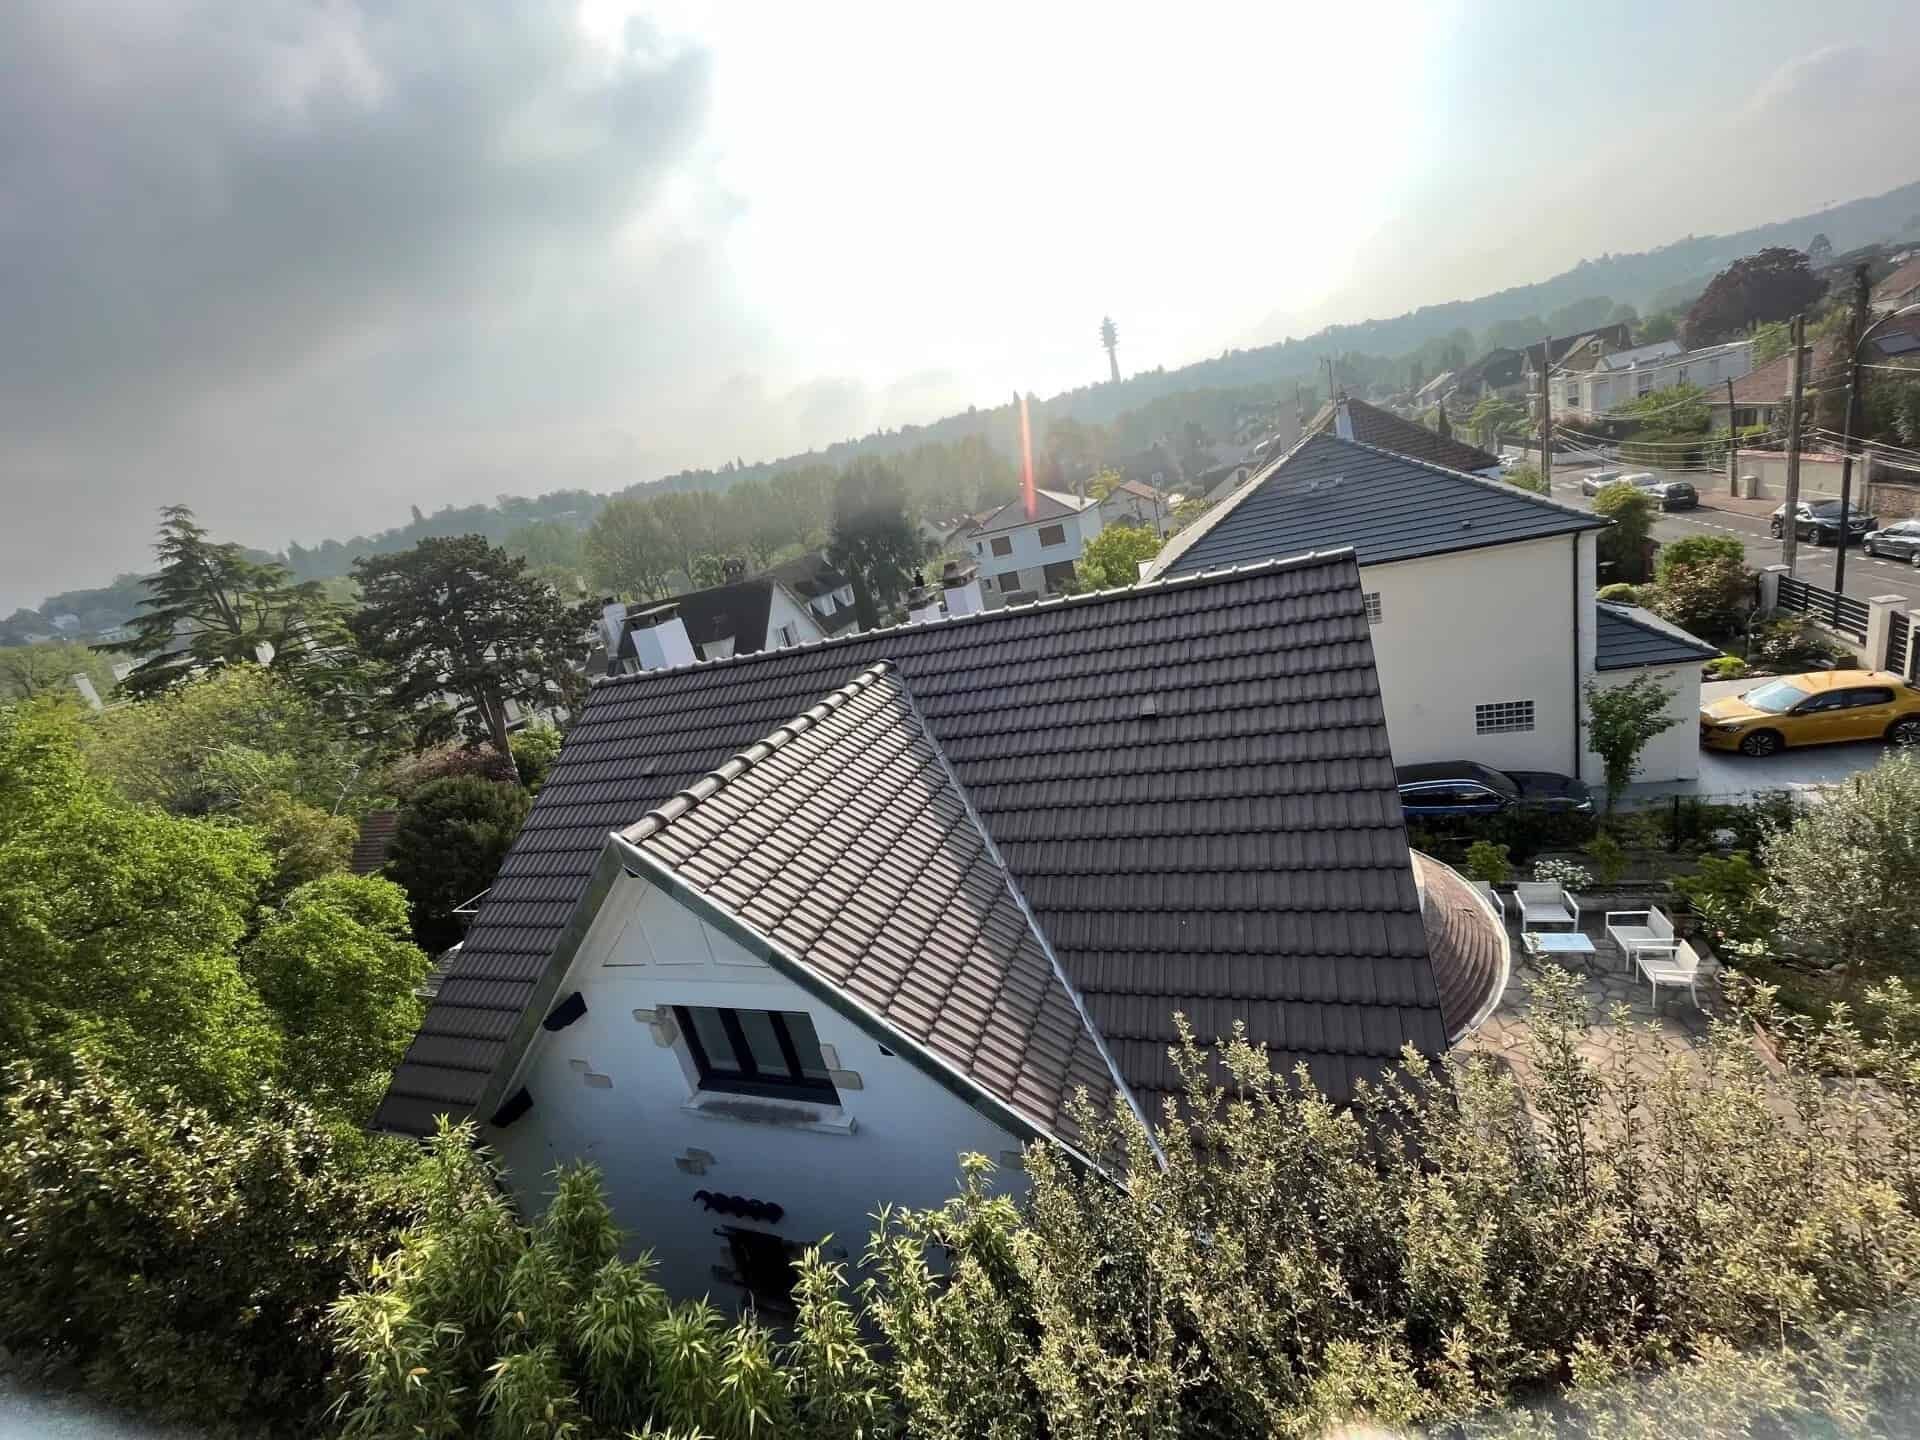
[[1814, 709]]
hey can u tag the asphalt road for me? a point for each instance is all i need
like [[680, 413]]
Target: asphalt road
[[1866, 577]]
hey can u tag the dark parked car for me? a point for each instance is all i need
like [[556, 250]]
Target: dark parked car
[[1462, 787], [1672, 494], [1899, 541], [1820, 522]]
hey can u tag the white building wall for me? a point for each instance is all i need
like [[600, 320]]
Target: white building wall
[[1597, 392], [606, 1090], [785, 611], [1477, 627], [1028, 556], [1674, 754]]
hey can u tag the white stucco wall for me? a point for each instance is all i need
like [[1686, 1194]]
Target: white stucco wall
[[1674, 754], [605, 1090], [785, 611], [1477, 627], [1028, 556]]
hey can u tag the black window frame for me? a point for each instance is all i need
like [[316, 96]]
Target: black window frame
[[996, 544], [1004, 576], [796, 1084], [1059, 532]]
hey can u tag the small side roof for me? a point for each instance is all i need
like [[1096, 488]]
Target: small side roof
[[1328, 492], [843, 839], [1388, 431], [1626, 637]]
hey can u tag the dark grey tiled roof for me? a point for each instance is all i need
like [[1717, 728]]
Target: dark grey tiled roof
[[1047, 505], [843, 838], [1382, 428], [1189, 782], [809, 576], [1328, 492], [1626, 637]]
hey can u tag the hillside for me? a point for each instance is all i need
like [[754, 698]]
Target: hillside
[[1591, 288]]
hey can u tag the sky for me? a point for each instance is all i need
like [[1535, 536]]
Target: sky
[[301, 264]]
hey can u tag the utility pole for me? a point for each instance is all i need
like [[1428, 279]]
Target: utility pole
[[1733, 446], [1857, 334], [1546, 415], [1330, 395], [1789, 534]]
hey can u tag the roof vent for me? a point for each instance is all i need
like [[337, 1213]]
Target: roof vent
[[1149, 707]]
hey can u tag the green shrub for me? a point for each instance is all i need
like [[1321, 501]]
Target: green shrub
[[447, 846], [181, 1265], [1609, 858], [1726, 894], [534, 751], [1699, 550], [1726, 667], [1564, 873], [1711, 595], [1488, 862], [1786, 646], [1623, 544], [1618, 593]]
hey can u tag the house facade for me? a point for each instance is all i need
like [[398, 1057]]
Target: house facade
[[784, 935], [1480, 598], [1133, 502], [1607, 386], [1031, 555]]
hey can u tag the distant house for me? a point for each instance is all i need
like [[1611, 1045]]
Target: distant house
[[1899, 289], [1505, 371], [785, 935], [1481, 597], [1133, 503], [1033, 555], [1619, 380], [1370, 425], [1434, 391], [803, 600]]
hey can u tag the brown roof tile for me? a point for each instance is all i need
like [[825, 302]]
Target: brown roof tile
[[1278, 876]]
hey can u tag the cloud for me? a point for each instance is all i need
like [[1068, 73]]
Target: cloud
[[249, 254]]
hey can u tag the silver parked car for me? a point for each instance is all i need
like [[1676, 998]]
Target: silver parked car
[[1899, 541]]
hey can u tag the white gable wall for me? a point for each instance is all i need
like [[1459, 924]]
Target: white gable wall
[[606, 1090], [1673, 754], [1475, 627], [785, 611]]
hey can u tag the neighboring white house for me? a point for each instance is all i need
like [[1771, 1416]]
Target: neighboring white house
[[803, 600], [1612, 383], [1034, 554], [1481, 595], [1134, 502], [786, 935]]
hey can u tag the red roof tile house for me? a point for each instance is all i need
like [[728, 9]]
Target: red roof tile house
[[784, 934]]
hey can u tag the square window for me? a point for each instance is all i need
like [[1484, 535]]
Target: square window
[[1053, 535], [1372, 599], [1002, 545], [1009, 582], [1502, 717], [774, 1053]]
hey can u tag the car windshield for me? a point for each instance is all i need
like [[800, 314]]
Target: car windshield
[[1830, 510], [1775, 699]]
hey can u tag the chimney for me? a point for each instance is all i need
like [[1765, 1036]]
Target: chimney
[[613, 620], [923, 602], [660, 637], [1342, 421], [961, 585]]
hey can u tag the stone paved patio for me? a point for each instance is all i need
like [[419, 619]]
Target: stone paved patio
[[1606, 986]]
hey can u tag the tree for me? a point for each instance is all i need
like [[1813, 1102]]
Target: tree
[[1112, 559], [49, 667], [627, 551], [553, 549], [1663, 325], [1845, 877], [1702, 584], [460, 621], [118, 926], [215, 744], [181, 1262], [335, 966], [1621, 719], [1526, 476], [1820, 251], [534, 751], [1775, 284], [209, 605], [874, 543], [1770, 342], [1110, 342], [1623, 544], [447, 847]]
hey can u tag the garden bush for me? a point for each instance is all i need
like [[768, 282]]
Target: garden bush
[[1488, 862], [447, 846], [178, 1264], [1726, 667]]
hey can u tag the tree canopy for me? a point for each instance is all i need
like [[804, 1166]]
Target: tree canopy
[[447, 846], [874, 543], [1113, 557], [465, 630], [1775, 284]]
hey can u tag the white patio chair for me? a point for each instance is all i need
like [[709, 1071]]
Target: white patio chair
[[1680, 966], [1636, 931], [1545, 906], [1493, 897]]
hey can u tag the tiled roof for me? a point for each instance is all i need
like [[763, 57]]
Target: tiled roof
[[1189, 782], [376, 836], [843, 838], [1625, 637], [1047, 505], [1616, 335], [1138, 488], [809, 576], [1382, 428], [1328, 492], [1906, 278]]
